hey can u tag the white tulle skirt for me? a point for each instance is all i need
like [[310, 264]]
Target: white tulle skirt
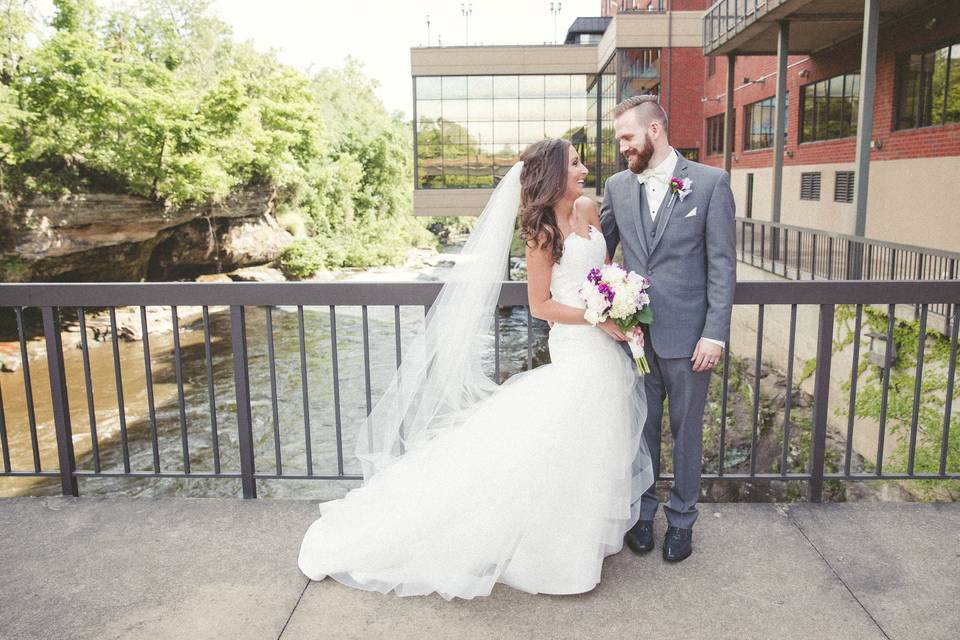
[[533, 490]]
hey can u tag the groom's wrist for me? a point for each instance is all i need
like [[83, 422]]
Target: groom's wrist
[[721, 343]]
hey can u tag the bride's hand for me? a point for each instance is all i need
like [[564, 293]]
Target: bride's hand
[[636, 334], [612, 330]]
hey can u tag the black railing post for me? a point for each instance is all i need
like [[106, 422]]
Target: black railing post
[[821, 401], [61, 406], [241, 381]]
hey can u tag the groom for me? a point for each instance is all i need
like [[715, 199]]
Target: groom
[[675, 219]]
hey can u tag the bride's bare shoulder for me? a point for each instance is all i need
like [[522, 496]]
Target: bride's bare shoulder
[[587, 210]]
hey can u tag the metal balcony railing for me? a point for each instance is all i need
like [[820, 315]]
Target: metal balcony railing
[[726, 18], [249, 450]]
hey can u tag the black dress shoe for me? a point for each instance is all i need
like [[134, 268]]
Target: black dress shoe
[[640, 536], [677, 544]]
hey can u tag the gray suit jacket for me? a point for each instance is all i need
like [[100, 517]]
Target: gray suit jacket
[[690, 259]]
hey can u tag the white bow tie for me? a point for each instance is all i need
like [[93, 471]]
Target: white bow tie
[[658, 174]]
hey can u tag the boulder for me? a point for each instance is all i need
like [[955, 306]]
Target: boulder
[[257, 274]]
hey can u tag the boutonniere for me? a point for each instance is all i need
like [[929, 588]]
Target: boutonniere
[[681, 187]]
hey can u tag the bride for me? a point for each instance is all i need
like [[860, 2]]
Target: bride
[[468, 483]]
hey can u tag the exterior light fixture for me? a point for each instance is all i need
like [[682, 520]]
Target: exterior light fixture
[[877, 353]]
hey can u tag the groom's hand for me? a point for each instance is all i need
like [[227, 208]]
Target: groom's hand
[[706, 355]]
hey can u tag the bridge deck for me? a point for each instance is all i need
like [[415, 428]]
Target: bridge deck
[[225, 568]]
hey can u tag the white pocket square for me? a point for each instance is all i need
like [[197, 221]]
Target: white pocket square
[[692, 213]]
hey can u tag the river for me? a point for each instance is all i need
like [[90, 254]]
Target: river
[[199, 416]]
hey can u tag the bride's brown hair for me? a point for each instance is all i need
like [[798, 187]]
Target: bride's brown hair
[[543, 183]]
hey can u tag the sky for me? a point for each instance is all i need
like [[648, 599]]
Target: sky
[[379, 33]]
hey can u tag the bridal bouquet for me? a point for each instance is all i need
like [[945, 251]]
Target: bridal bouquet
[[612, 292]]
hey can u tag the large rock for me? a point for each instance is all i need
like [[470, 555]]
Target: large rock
[[211, 245], [104, 237]]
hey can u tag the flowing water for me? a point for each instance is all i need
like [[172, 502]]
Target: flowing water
[[199, 416]]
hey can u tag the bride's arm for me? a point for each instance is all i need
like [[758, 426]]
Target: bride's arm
[[542, 306]]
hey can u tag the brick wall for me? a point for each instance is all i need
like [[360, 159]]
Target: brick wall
[[685, 70], [906, 35]]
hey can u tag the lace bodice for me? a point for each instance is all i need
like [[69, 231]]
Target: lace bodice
[[579, 256]]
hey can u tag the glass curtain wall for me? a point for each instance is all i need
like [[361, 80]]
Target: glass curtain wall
[[472, 129], [609, 154], [631, 72]]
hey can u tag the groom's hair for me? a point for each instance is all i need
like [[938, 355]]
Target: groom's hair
[[647, 107]]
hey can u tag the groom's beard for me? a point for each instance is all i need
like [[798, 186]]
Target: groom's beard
[[638, 161]]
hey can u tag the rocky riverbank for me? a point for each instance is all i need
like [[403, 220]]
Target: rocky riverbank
[[120, 238]]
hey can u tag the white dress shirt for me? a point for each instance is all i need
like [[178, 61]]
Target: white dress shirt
[[656, 182]]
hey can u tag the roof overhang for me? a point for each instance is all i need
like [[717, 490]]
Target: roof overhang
[[751, 28]]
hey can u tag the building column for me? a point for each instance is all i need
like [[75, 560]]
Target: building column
[[868, 81], [780, 118], [728, 114]]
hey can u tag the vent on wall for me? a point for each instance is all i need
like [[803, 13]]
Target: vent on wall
[[810, 185], [843, 187]]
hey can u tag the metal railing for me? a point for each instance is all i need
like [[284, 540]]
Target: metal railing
[[799, 253], [57, 302], [726, 18]]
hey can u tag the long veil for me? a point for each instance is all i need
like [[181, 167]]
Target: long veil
[[440, 378]]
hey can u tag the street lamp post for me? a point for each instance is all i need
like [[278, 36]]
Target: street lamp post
[[467, 11], [428, 29], [555, 13]]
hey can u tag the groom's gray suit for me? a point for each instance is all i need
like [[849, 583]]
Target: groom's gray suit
[[689, 255]]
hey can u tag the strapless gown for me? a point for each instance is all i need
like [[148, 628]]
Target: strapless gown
[[532, 491]]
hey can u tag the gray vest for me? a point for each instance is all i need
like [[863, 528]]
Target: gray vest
[[650, 226]]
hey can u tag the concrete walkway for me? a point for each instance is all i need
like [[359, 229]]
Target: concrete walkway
[[216, 568]]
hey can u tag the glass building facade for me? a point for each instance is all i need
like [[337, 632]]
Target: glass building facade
[[471, 129]]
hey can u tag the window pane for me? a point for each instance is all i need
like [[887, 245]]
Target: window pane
[[835, 107], [480, 110], [531, 132], [953, 87], [531, 86], [454, 87], [481, 166], [455, 110], [531, 109], [939, 84], [577, 135], [506, 133], [454, 133], [909, 89], [428, 132], [505, 86], [429, 109], [480, 86], [429, 154], [806, 114], [853, 97], [504, 159], [557, 109], [578, 108], [505, 109], [926, 89], [481, 132], [820, 127], [557, 86], [428, 88], [557, 128]]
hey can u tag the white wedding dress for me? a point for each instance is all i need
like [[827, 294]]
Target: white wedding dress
[[533, 490]]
